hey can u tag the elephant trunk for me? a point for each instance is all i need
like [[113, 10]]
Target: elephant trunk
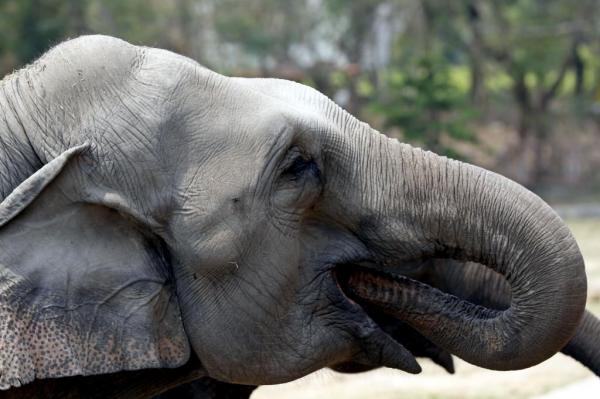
[[427, 206], [585, 344]]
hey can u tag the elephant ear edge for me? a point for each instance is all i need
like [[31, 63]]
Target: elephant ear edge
[[84, 290], [29, 189]]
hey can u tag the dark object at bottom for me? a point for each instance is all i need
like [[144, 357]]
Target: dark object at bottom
[[207, 388]]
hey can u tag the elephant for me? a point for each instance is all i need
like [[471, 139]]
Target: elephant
[[157, 215]]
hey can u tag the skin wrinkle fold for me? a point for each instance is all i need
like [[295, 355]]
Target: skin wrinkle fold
[[16, 148]]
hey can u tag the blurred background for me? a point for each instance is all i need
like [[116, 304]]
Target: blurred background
[[513, 86]]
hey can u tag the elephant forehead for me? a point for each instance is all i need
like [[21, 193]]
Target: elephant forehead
[[232, 156]]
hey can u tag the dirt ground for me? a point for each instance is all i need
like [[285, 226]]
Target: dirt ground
[[469, 382]]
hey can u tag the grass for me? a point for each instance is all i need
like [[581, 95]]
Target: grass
[[469, 382]]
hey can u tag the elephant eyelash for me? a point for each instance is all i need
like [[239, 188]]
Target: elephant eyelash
[[296, 168], [299, 167]]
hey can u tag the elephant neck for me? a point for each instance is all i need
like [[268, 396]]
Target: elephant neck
[[18, 156]]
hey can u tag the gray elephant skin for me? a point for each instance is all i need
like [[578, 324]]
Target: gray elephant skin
[[153, 211]]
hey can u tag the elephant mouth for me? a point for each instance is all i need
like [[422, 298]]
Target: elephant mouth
[[387, 297], [376, 291], [389, 342], [379, 292]]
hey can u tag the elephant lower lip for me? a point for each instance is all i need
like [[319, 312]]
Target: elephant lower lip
[[368, 288], [379, 348]]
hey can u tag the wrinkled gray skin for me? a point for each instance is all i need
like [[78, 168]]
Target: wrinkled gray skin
[[151, 208]]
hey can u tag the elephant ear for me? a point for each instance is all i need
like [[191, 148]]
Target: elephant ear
[[83, 289]]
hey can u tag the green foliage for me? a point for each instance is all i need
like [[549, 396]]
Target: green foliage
[[259, 32], [26, 29], [426, 105], [527, 62], [531, 31], [138, 21]]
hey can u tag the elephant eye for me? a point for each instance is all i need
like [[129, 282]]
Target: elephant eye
[[299, 167], [299, 183]]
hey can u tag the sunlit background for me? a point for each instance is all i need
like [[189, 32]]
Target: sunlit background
[[511, 85]]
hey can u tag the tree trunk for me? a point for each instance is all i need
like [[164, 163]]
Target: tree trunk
[[475, 50], [579, 67]]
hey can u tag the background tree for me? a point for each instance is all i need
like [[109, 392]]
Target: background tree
[[537, 45], [443, 72], [429, 109]]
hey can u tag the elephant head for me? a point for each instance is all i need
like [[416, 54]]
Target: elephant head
[[174, 210]]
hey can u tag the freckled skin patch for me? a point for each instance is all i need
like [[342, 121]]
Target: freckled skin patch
[[35, 346], [43, 341], [83, 291]]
